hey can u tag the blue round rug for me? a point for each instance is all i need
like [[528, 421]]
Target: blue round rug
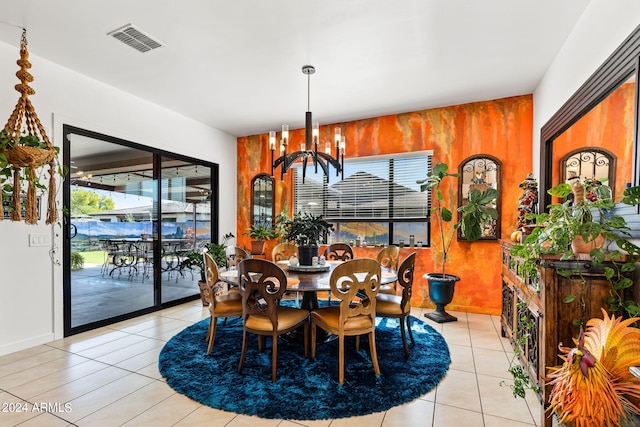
[[305, 389]]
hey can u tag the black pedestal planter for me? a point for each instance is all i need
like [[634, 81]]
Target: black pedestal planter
[[306, 254], [441, 289]]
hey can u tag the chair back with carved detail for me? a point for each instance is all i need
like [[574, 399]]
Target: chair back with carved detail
[[224, 306], [262, 285], [355, 283], [339, 252], [388, 257], [283, 251], [399, 306], [235, 254]]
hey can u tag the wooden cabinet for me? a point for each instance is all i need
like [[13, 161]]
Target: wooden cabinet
[[541, 302], [521, 302]]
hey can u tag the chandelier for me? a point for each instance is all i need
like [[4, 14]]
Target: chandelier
[[309, 148]]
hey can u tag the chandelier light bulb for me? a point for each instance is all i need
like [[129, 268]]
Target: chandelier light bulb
[[316, 132], [272, 140]]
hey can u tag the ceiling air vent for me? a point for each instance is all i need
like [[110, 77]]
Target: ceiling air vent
[[136, 38]]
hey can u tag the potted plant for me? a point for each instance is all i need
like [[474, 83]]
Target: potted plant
[[553, 238], [24, 150], [573, 219], [260, 232], [471, 217], [77, 261], [195, 261], [565, 222], [21, 158], [306, 231]]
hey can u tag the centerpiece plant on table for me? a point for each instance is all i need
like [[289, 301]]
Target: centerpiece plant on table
[[306, 231], [472, 216]]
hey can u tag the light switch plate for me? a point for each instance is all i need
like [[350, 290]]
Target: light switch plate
[[39, 239]]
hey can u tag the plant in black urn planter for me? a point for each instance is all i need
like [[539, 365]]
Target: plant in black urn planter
[[472, 216], [306, 231]]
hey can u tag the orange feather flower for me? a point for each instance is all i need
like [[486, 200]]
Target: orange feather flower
[[594, 387]]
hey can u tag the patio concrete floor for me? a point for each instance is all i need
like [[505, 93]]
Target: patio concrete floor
[[96, 296]]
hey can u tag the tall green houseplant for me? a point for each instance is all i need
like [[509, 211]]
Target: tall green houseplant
[[471, 219], [471, 214]]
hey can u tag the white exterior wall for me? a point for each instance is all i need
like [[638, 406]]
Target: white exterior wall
[[603, 26], [31, 311]]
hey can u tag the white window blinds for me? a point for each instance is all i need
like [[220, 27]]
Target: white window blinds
[[373, 189]]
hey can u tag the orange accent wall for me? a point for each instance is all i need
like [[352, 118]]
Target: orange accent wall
[[501, 128]]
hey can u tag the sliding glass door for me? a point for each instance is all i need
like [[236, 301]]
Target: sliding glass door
[[134, 215], [186, 223]]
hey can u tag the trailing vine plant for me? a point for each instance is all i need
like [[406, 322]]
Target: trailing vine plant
[[521, 382], [553, 234]]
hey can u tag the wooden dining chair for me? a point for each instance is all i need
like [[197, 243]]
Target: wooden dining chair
[[388, 257], [229, 305], [355, 283], [262, 285], [283, 251], [339, 252], [235, 254], [399, 307]]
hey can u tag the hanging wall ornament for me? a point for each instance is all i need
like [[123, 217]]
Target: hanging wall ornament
[[26, 147]]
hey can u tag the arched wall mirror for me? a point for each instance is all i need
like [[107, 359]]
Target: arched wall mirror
[[480, 172], [262, 206], [600, 118], [593, 166]]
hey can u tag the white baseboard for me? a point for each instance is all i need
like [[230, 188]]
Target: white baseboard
[[22, 345]]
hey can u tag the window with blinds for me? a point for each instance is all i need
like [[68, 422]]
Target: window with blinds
[[376, 190]]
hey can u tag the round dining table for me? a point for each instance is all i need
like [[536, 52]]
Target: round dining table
[[309, 282]]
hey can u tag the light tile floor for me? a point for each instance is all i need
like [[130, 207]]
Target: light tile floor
[[109, 377]]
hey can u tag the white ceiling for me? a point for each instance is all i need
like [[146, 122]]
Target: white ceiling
[[236, 65]]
